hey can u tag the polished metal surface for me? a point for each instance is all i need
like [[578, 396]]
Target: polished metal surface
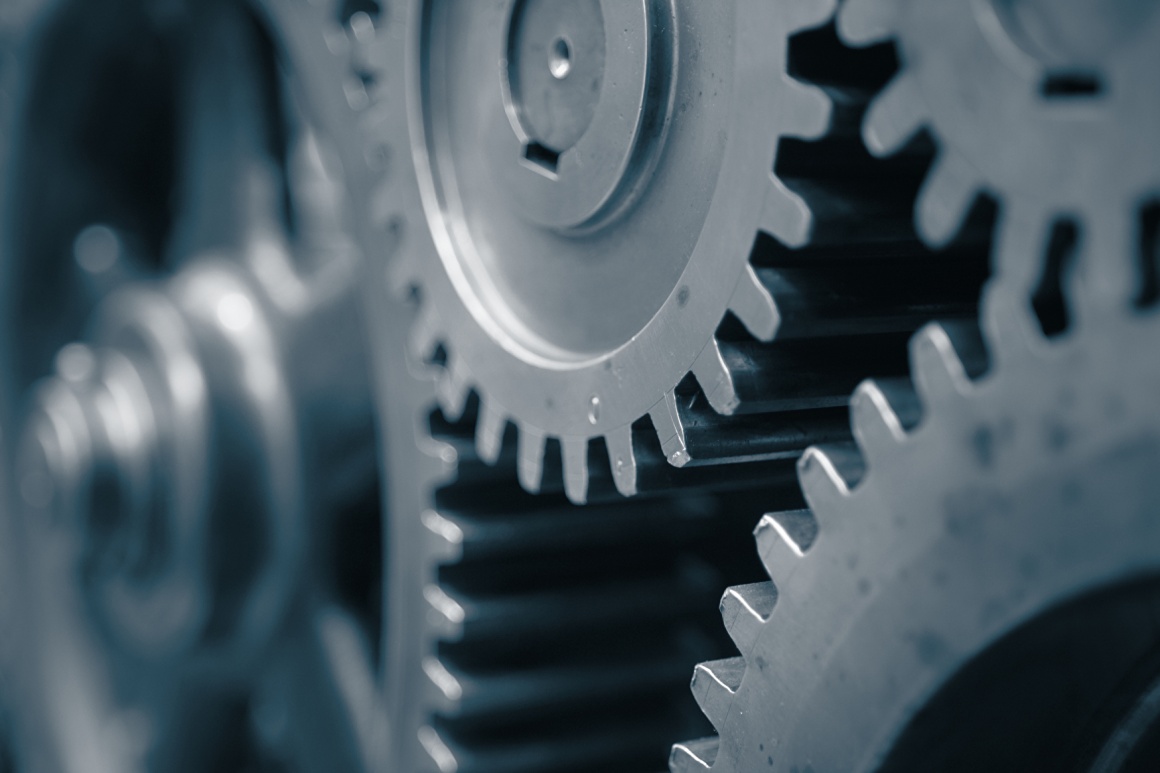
[[395, 385]]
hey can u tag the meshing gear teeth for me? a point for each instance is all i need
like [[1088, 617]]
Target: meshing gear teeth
[[562, 382], [972, 507], [1051, 107]]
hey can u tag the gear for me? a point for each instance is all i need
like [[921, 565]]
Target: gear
[[1051, 107], [469, 555], [906, 604], [555, 272]]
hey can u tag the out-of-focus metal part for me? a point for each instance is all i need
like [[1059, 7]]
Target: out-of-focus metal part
[[177, 462], [581, 220], [1048, 105]]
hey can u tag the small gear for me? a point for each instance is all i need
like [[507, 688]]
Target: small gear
[[1050, 107], [989, 543], [591, 206]]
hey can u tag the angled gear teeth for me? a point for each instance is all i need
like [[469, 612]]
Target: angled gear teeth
[[714, 684], [894, 116], [443, 680], [623, 459], [753, 304], [447, 615], [778, 551], [437, 750], [694, 756], [939, 374], [530, 449], [452, 390], [827, 474], [744, 609], [575, 459], [811, 111], [862, 22], [786, 215], [670, 431], [489, 430], [877, 426], [715, 379], [945, 198]]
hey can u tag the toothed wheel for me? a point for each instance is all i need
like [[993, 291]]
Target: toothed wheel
[[593, 176], [977, 581], [1049, 106]]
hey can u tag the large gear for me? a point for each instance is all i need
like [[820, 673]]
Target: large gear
[[455, 516], [901, 579], [1049, 106], [535, 286]]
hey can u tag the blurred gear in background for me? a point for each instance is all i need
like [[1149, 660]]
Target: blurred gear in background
[[396, 385]]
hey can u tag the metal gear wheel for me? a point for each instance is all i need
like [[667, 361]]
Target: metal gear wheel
[[988, 549], [590, 210], [468, 555], [1049, 106]]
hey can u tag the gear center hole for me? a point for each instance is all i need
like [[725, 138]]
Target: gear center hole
[[560, 59]]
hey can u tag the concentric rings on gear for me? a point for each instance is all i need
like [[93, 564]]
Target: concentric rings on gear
[[1051, 108], [571, 291]]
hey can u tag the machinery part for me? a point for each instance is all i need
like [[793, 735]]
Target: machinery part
[[553, 270], [469, 556], [175, 464], [988, 550], [1047, 105]]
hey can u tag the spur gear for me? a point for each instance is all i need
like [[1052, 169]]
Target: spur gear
[[1049, 106], [974, 584], [468, 554], [555, 269]]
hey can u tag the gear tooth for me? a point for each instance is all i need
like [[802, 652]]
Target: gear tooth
[[489, 429], [877, 427], [753, 304], [452, 390], [715, 379], [786, 215], [693, 756], [437, 750], [447, 685], [938, 372], [894, 116], [531, 445], [1020, 244], [670, 431], [623, 459], [946, 198], [446, 536], [714, 684], [827, 474], [862, 22], [447, 616], [575, 458], [425, 334], [809, 118], [778, 551], [1104, 273], [744, 609], [1009, 322]]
